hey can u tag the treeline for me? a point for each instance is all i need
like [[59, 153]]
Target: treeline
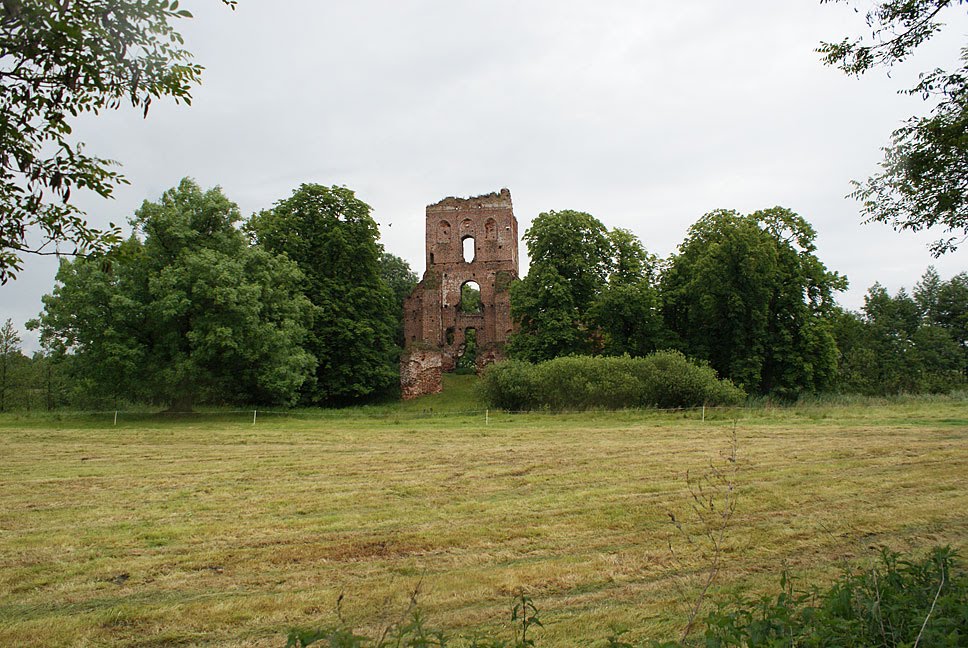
[[298, 304], [745, 294]]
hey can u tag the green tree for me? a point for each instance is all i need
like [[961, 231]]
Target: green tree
[[904, 343], [9, 354], [190, 313], [544, 307], [944, 304], [470, 299], [401, 279], [48, 378], [629, 317], [57, 61], [924, 178], [630, 262], [748, 295], [398, 276], [951, 312], [906, 351], [330, 234], [628, 310], [926, 293], [856, 360], [570, 262], [892, 322]]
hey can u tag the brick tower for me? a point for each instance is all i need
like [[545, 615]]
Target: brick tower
[[469, 241]]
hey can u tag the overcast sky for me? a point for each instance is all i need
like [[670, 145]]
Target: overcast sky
[[645, 114]]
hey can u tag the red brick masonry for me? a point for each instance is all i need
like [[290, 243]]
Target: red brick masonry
[[434, 327]]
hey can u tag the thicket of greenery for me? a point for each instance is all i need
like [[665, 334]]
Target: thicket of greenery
[[588, 291], [745, 294], [190, 310], [748, 294], [898, 602], [330, 235], [906, 343], [661, 379]]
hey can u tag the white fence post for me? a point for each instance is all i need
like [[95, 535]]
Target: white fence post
[[254, 412]]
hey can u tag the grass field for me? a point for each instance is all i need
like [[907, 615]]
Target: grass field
[[214, 531]]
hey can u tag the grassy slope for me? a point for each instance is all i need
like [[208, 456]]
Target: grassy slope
[[217, 531]]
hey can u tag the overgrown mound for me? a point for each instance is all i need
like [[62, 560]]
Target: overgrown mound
[[662, 379]]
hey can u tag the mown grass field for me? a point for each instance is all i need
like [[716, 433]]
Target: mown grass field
[[214, 531]]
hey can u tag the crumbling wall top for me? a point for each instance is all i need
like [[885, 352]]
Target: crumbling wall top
[[493, 200]]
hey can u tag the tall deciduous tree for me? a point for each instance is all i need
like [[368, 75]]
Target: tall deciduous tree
[[924, 178], [906, 343], [570, 262], [190, 313], [747, 294], [590, 290], [330, 234], [899, 347], [945, 304], [58, 60], [9, 352], [628, 311]]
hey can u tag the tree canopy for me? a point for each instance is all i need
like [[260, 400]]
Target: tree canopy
[[189, 312], [748, 295], [590, 290], [57, 61], [9, 353], [906, 343], [923, 182], [330, 234], [570, 261]]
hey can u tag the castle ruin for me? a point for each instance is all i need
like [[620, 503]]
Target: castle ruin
[[471, 242]]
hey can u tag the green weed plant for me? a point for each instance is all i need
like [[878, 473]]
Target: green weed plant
[[897, 603]]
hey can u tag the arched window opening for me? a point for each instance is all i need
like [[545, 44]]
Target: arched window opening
[[490, 229], [470, 298], [450, 335], [467, 356], [443, 232], [469, 249]]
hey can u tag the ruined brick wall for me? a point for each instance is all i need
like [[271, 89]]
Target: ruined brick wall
[[433, 318], [420, 371]]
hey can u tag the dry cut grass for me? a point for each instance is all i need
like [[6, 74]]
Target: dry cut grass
[[218, 532]]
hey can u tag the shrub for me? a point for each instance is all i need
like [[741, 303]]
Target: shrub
[[510, 385], [898, 603], [662, 379]]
